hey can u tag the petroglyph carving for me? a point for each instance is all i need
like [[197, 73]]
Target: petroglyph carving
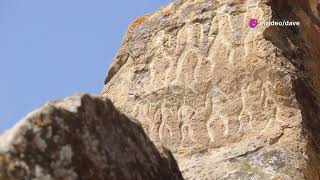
[[186, 114], [209, 87], [200, 88]]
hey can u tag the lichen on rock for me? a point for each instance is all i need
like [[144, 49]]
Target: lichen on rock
[[82, 137]]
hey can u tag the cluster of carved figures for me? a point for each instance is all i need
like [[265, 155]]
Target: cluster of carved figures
[[200, 90]]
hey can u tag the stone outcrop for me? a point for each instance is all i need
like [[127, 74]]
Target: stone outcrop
[[82, 137], [231, 102]]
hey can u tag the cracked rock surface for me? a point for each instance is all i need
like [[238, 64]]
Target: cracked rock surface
[[82, 137]]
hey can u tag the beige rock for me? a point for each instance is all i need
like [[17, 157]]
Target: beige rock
[[231, 102], [82, 137]]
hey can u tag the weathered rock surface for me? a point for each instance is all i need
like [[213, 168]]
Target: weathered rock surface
[[231, 102], [82, 137]]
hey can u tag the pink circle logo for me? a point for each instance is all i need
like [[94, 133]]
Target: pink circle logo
[[253, 23]]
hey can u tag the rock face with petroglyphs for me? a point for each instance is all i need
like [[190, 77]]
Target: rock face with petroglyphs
[[82, 137], [231, 102]]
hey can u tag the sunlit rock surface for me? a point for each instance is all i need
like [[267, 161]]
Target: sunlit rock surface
[[82, 137], [231, 102]]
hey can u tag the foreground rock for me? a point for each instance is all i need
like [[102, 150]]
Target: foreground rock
[[82, 137], [231, 102]]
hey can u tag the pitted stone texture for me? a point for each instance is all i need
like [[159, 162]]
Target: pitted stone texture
[[201, 81], [82, 137]]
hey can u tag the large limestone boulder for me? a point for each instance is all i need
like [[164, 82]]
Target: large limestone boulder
[[82, 137], [231, 102]]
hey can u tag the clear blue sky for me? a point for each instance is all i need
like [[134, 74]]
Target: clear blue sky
[[50, 49]]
